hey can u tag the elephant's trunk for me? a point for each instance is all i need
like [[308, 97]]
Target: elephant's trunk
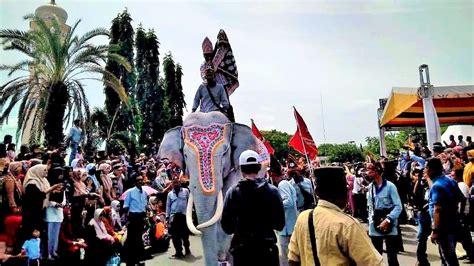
[[213, 220]]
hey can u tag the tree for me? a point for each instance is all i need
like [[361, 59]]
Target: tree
[[173, 90], [122, 34], [394, 142], [53, 91], [279, 141], [149, 93]]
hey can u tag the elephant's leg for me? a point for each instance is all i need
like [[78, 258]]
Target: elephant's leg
[[223, 246], [209, 245]]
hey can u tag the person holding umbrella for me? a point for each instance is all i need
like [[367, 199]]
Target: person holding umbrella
[[135, 204]]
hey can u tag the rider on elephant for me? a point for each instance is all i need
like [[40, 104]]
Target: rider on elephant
[[211, 96]]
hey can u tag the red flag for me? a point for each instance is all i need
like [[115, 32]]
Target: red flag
[[259, 136], [302, 140]]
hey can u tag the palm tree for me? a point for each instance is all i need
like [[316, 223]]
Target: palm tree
[[51, 91]]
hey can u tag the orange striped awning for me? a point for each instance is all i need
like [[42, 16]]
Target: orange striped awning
[[454, 105]]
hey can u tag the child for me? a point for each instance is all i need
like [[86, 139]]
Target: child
[[31, 248]]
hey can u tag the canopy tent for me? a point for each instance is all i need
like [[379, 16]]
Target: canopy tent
[[463, 130], [404, 108]]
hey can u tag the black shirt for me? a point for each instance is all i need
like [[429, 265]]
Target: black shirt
[[252, 212]]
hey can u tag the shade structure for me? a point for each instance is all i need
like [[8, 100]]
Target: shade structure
[[404, 108]]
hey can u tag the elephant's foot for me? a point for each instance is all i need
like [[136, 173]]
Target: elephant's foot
[[224, 263]]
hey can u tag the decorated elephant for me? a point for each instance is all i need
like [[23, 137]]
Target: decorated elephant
[[207, 148]]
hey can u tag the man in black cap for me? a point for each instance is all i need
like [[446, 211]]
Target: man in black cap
[[339, 239], [437, 149]]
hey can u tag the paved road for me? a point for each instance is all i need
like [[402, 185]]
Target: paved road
[[405, 258]]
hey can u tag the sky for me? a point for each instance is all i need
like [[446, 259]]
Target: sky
[[332, 60]]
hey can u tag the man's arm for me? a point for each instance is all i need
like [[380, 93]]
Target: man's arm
[[279, 218], [197, 99], [228, 220], [168, 205], [223, 98], [437, 216], [397, 209]]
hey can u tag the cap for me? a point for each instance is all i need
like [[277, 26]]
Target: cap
[[438, 147], [248, 157], [470, 154]]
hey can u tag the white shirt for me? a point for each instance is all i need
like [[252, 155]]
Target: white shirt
[[358, 186], [465, 191]]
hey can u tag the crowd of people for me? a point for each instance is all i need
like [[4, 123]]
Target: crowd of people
[[103, 209], [98, 208]]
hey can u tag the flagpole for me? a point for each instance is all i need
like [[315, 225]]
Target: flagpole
[[305, 153], [302, 141]]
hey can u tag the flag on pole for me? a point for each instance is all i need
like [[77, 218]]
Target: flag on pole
[[259, 136], [302, 140]]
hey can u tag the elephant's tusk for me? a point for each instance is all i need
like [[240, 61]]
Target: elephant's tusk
[[217, 214], [189, 216]]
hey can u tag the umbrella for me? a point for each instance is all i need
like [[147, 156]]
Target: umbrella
[[149, 190]]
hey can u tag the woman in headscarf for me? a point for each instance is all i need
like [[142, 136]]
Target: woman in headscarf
[[99, 241], [90, 169], [116, 220], [106, 182], [77, 163], [78, 200], [12, 193], [36, 198], [54, 211]]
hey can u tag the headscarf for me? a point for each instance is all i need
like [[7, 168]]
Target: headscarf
[[14, 176], [105, 167], [80, 188], [469, 169], [36, 176], [99, 226], [89, 167], [15, 167], [116, 213], [74, 163], [106, 180]]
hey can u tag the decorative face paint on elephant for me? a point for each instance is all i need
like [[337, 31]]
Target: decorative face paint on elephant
[[208, 146]]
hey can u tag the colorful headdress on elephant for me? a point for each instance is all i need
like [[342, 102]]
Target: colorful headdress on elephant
[[207, 46], [205, 141]]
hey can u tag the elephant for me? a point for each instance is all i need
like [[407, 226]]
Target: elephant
[[207, 147]]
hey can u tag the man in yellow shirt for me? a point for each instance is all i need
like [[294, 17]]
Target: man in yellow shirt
[[340, 239]]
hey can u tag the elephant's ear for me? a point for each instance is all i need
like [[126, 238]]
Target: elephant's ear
[[242, 139], [171, 147]]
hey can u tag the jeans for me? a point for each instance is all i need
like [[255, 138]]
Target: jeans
[[464, 236], [284, 241], [391, 247], [447, 249], [424, 231], [72, 156], [53, 237]]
